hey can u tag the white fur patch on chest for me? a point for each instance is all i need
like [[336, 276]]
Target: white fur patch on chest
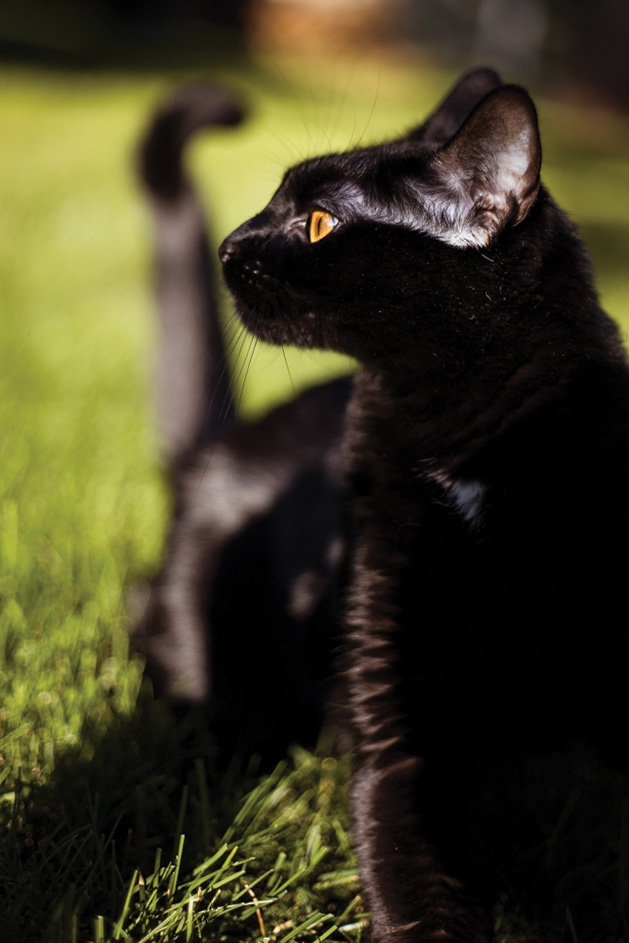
[[465, 497]]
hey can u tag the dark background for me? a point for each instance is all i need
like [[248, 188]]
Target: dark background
[[572, 49]]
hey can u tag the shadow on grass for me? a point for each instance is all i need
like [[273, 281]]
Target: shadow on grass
[[152, 830], [101, 845]]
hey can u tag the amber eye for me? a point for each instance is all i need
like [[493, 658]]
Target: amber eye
[[320, 224]]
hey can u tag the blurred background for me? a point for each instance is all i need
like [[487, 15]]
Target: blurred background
[[566, 46]]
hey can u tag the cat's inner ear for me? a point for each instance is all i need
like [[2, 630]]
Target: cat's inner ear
[[488, 175], [456, 107]]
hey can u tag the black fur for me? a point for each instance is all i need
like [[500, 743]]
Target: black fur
[[456, 531]]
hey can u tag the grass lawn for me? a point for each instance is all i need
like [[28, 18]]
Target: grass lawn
[[108, 807]]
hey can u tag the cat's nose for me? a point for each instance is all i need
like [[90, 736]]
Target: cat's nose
[[225, 250], [229, 246], [255, 228]]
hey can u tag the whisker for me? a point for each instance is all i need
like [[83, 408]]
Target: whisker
[[246, 350], [373, 108], [290, 375], [289, 144], [252, 350]]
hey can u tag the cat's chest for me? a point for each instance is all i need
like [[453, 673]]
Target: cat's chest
[[465, 498], [455, 529]]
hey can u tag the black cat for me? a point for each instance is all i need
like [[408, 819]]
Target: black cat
[[449, 530]]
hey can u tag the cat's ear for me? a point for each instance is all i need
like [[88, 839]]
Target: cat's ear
[[488, 174], [456, 107]]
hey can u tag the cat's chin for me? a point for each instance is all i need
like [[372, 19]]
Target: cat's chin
[[292, 331]]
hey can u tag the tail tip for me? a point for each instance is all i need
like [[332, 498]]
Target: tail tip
[[189, 109]]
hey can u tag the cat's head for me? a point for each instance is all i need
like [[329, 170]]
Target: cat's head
[[355, 249]]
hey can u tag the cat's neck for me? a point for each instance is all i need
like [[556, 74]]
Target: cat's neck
[[401, 426], [539, 348]]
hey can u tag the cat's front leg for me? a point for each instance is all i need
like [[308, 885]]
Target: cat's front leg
[[412, 896]]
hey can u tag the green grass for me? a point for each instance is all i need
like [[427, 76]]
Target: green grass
[[113, 826]]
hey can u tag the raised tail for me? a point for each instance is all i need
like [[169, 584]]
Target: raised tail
[[193, 383]]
